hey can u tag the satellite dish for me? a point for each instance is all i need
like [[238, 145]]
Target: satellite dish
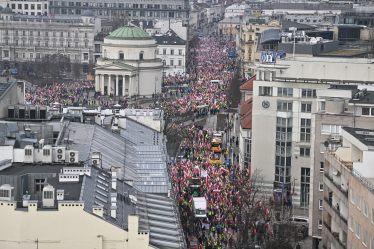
[[335, 172], [326, 144]]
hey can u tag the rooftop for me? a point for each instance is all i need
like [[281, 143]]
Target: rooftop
[[129, 33], [286, 25], [249, 84], [235, 19], [246, 111], [364, 136], [169, 39], [367, 97]]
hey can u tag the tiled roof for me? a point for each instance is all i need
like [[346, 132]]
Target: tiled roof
[[246, 111], [246, 106], [249, 84]]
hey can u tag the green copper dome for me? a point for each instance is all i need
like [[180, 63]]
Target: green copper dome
[[129, 33]]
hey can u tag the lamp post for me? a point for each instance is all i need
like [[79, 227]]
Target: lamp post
[[293, 204], [230, 27]]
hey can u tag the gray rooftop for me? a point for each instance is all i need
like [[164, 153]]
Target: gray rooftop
[[365, 136]]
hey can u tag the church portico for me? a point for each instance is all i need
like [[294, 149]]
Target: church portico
[[128, 65]]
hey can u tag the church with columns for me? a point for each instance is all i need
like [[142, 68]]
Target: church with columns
[[128, 65]]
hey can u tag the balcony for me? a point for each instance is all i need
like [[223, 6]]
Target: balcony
[[335, 210], [343, 191], [333, 236]]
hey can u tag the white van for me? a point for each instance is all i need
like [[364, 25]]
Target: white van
[[199, 207]]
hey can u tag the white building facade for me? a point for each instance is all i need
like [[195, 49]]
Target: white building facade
[[284, 98], [172, 51]]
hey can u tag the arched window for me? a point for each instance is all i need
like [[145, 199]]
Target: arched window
[[121, 56], [141, 54]]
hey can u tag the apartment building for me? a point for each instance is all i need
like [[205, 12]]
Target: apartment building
[[227, 27], [27, 38], [335, 109], [171, 49], [131, 9], [348, 206], [284, 98]]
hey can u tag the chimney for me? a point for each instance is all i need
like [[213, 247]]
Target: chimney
[[48, 196], [97, 210], [114, 177], [60, 194], [25, 200]]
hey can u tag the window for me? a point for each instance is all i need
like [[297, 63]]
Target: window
[[321, 106], [16, 54], [38, 43], [39, 185], [320, 204], [85, 56], [85, 45], [358, 200], [31, 43], [321, 166], [319, 223], [371, 243], [180, 52], [306, 107], [171, 62], [284, 106], [23, 55], [305, 182], [352, 196], [141, 55], [305, 152], [31, 55], [164, 51], [320, 186], [330, 129], [305, 130], [6, 53], [61, 44], [285, 92], [54, 33], [366, 209], [308, 93], [61, 34], [266, 91], [358, 230], [121, 56], [180, 63], [46, 152], [75, 56], [366, 111], [172, 51], [364, 237], [351, 223], [16, 42], [76, 44]]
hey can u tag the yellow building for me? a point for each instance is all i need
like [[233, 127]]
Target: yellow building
[[250, 42]]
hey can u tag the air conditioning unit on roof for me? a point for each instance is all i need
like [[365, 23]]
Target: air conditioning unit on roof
[[59, 154], [72, 156]]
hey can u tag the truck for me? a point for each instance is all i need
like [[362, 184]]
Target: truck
[[194, 187], [199, 207]]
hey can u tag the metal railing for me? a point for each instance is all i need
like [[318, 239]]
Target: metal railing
[[344, 245], [363, 180], [345, 192], [335, 209]]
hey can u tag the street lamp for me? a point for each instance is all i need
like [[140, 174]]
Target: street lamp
[[230, 27], [293, 204]]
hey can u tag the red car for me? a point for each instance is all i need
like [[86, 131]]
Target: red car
[[193, 243]]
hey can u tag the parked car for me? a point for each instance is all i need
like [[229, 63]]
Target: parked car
[[300, 221]]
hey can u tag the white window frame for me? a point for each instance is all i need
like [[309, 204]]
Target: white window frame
[[321, 169], [320, 204], [329, 131], [358, 230], [320, 223], [352, 196], [366, 209], [358, 200], [319, 186], [364, 237], [371, 243], [351, 223]]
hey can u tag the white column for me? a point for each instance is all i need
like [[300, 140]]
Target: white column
[[97, 82], [130, 85], [109, 84], [102, 84], [123, 85], [116, 84]]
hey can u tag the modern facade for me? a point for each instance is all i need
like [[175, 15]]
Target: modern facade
[[335, 111], [129, 65], [284, 98], [172, 51], [32, 8], [27, 38]]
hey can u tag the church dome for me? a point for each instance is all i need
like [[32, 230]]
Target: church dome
[[129, 33], [7, 10]]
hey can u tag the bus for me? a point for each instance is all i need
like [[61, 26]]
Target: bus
[[217, 142]]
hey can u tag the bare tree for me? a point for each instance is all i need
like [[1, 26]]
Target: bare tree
[[77, 70], [55, 64], [118, 20]]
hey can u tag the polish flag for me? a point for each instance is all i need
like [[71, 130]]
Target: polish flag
[[216, 191], [223, 170], [267, 212]]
